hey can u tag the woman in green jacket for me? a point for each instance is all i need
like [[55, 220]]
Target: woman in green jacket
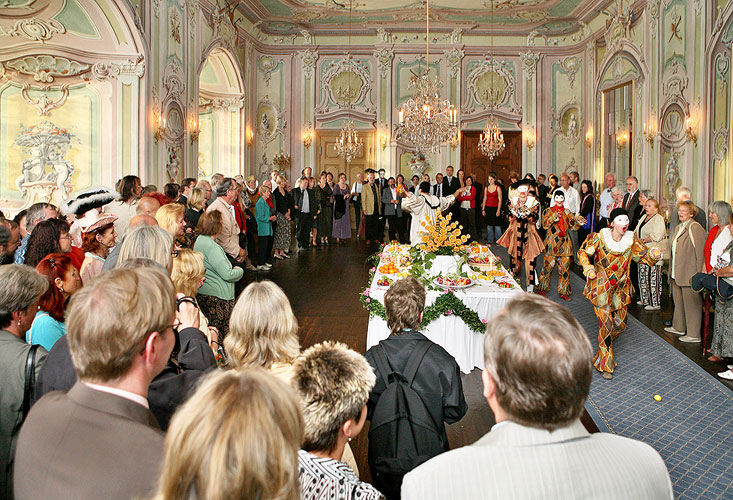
[[264, 228], [216, 295]]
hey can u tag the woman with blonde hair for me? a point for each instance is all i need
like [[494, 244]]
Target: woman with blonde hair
[[147, 242], [248, 448], [188, 275], [195, 207], [171, 218]]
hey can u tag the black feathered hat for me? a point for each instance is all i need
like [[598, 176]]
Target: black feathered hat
[[92, 198]]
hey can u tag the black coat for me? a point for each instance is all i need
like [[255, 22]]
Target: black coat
[[167, 391], [451, 187], [631, 206], [438, 379], [298, 200]]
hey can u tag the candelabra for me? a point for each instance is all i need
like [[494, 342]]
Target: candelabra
[[250, 137], [530, 138], [282, 160], [194, 129], [491, 141], [159, 132], [348, 145], [589, 138], [622, 139], [691, 130], [650, 133], [308, 136], [383, 139]]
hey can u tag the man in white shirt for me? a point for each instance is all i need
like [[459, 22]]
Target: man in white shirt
[[606, 199], [438, 186], [422, 204], [538, 447]]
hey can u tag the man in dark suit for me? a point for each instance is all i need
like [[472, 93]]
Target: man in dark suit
[[382, 183], [543, 190], [304, 200], [631, 199], [437, 189], [451, 184], [100, 440], [186, 186], [393, 211]]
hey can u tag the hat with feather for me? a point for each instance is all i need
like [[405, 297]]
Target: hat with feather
[[90, 199]]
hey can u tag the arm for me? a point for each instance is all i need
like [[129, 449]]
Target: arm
[[262, 213], [483, 202], [454, 402], [548, 218], [642, 254], [195, 353], [699, 234], [501, 200], [589, 247], [657, 229], [221, 266], [228, 240]]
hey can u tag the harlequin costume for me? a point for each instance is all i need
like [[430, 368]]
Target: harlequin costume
[[610, 290], [558, 221], [521, 238]]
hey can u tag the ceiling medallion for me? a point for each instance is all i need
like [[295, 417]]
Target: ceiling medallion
[[426, 120], [491, 141]]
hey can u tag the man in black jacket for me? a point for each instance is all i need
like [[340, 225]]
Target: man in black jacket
[[304, 200], [451, 184]]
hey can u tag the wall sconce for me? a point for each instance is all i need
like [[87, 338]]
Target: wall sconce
[[455, 140], [589, 138], [530, 138], [159, 132], [383, 139], [308, 136], [691, 130], [250, 137], [622, 139], [194, 129], [650, 132]]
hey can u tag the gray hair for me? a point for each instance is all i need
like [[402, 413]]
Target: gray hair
[[216, 179], [223, 186], [647, 194], [683, 191], [616, 190], [36, 213], [20, 286], [612, 174], [723, 211], [149, 242]]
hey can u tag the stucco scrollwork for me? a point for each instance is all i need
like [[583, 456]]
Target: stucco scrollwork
[[618, 29], [173, 79], [309, 58], [384, 57], [456, 36], [269, 120], [267, 65], [42, 102], [672, 175], [454, 57], [346, 83], [567, 123], [43, 68], [720, 143], [722, 65], [653, 9], [307, 37], [529, 63], [570, 66], [384, 35], [491, 83], [37, 30], [675, 83]]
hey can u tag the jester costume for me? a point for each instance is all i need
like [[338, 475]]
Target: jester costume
[[521, 238], [558, 221], [610, 290]]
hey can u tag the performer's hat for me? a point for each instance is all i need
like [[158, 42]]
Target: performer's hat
[[88, 200], [523, 186], [617, 212], [425, 186]]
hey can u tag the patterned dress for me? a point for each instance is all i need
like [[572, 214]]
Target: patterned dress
[[558, 247], [722, 343], [610, 291], [521, 238]]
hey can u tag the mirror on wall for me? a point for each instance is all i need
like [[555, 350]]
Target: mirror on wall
[[618, 127]]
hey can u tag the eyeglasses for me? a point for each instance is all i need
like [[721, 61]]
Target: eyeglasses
[[175, 253]]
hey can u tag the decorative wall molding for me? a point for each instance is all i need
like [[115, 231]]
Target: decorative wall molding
[[529, 63], [652, 7], [309, 58], [674, 85], [384, 36], [307, 37], [43, 68], [333, 92], [384, 57], [270, 120], [672, 176], [720, 143], [722, 65], [454, 57], [173, 79], [43, 103], [570, 65], [267, 64], [37, 30], [478, 96], [568, 123], [102, 71]]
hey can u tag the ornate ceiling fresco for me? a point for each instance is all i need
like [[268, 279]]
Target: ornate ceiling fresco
[[330, 17]]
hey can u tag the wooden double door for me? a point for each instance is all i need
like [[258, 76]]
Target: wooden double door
[[476, 164]]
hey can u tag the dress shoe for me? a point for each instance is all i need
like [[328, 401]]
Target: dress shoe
[[689, 340], [263, 268], [607, 376], [672, 330], [726, 375], [652, 308], [715, 359], [639, 303], [668, 322], [565, 297]]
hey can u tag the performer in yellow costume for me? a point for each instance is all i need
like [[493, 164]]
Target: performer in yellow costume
[[608, 286], [558, 220]]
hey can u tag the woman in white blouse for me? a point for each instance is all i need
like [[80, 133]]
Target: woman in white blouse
[[652, 231]]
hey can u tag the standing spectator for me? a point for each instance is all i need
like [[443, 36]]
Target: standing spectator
[[187, 186], [171, 190], [20, 289], [216, 295], [466, 199], [393, 210], [264, 228], [188, 275], [652, 231], [688, 255], [100, 440], [283, 200], [543, 191], [206, 186], [452, 184], [437, 189], [332, 373], [341, 218], [587, 210], [138, 221], [684, 194], [37, 212], [125, 208], [415, 184], [20, 218], [248, 451], [147, 242], [49, 236], [606, 200], [491, 209], [324, 195], [147, 205], [631, 199], [574, 178], [63, 282], [538, 447], [228, 236], [195, 207], [216, 179], [437, 379], [356, 200], [9, 241], [306, 207], [97, 240], [371, 203]]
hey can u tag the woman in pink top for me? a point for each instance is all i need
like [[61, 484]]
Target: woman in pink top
[[97, 240]]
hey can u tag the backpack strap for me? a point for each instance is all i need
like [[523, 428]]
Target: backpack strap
[[415, 359], [30, 378], [383, 368]]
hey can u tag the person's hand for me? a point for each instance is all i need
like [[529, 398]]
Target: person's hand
[[273, 218], [498, 212], [241, 255], [187, 315], [483, 212], [582, 220], [296, 207], [591, 275], [212, 335]]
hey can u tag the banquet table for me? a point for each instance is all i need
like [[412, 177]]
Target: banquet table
[[450, 332]]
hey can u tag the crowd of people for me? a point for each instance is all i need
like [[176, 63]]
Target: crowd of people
[[124, 320]]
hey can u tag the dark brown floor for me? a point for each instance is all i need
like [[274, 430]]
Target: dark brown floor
[[323, 286]]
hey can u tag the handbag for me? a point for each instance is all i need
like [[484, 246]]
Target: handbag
[[30, 379]]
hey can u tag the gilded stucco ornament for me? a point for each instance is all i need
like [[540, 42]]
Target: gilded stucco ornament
[[491, 83], [529, 63], [384, 57], [454, 57]]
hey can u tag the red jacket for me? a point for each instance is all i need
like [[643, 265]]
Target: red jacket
[[471, 197]]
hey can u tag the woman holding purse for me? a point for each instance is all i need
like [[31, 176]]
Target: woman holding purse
[[652, 231]]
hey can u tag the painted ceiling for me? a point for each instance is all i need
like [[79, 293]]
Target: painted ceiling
[[331, 17]]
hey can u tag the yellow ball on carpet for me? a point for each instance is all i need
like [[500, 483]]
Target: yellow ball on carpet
[[657, 397]]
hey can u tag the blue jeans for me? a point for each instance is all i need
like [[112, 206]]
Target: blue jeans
[[493, 234]]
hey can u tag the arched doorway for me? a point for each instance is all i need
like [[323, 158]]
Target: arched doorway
[[220, 116]]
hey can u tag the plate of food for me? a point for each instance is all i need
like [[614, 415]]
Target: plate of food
[[384, 282], [453, 282], [389, 268], [489, 275]]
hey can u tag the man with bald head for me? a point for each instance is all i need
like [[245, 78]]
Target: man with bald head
[[147, 206], [139, 220]]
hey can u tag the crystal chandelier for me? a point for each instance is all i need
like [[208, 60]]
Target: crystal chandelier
[[426, 120], [348, 145], [491, 142]]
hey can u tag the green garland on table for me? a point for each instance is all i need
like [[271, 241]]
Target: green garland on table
[[447, 304]]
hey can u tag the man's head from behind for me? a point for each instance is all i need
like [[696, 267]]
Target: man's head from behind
[[147, 206], [537, 361], [404, 303], [121, 322]]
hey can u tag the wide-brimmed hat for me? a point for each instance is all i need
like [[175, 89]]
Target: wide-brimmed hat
[[90, 199], [92, 222]]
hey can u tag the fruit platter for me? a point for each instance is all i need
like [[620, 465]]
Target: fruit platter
[[385, 282], [488, 276], [389, 268], [505, 283], [453, 282]]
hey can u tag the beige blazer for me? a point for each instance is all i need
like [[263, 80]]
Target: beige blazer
[[688, 254], [85, 445], [228, 238], [368, 204], [656, 230]]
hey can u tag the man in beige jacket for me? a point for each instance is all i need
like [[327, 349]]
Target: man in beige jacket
[[226, 192]]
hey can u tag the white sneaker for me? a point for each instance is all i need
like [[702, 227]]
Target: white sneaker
[[263, 268], [672, 330], [652, 308], [639, 303]]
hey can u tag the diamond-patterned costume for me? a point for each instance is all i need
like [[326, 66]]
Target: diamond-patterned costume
[[521, 238], [558, 221], [610, 291]]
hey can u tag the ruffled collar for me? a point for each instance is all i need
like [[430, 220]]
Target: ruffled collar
[[617, 246]]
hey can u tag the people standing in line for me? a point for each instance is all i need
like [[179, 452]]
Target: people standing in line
[[356, 200], [125, 208], [631, 199], [684, 194], [543, 191], [392, 204], [652, 231], [281, 243], [228, 235], [371, 204], [437, 189], [341, 220], [194, 208], [49, 236], [466, 200], [491, 208], [451, 184], [587, 211], [606, 200], [264, 228], [406, 218]]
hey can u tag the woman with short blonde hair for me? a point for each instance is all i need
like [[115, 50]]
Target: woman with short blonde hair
[[148, 242], [195, 207], [171, 218], [248, 449]]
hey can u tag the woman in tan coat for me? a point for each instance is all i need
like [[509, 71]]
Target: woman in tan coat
[[688, 254], [652, 231]]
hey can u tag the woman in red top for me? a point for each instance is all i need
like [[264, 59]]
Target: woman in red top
[[491, 209], [466, 198]]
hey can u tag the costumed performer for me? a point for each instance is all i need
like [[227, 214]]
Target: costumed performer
[[558, 221], [423, 204], [521, 238], [609, 286]]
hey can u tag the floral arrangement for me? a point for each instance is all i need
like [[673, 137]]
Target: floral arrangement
[[442, 237]]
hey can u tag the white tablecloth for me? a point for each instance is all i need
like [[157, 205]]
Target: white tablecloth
[[451, 332]]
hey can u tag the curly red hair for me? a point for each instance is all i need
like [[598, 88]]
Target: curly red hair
[[55, 265]]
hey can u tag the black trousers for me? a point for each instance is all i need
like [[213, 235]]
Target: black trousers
[[303, 229], [262, 250], [372, 227], [468, 222], [396, 228], [238, 286]]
